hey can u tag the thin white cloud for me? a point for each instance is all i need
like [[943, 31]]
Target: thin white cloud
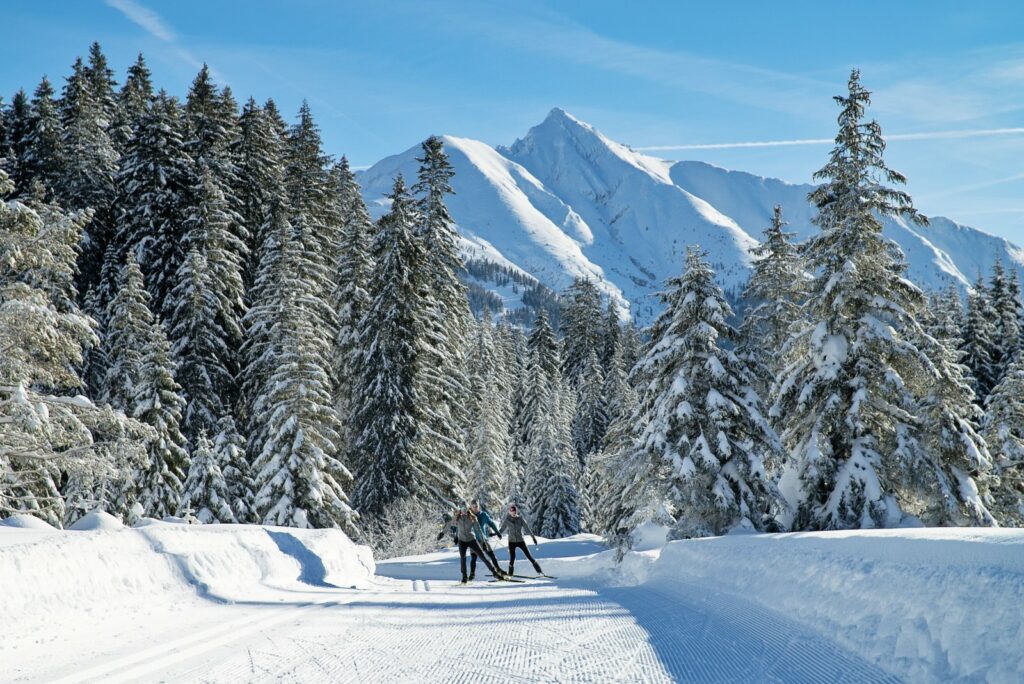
[[153, 24], [929, 135], [145, 18]]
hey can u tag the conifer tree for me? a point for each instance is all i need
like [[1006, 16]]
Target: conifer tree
[[205, 492], [845, 400], [774, 293], [1004, 431], [49, 432], [205, 325], [590, 423], [442, 340], [101, 84], [155, 185], [704, 427], [158, 403], [554, 498], [132, 104], [90, 165], [1005, 299], [351, 298], [488, 436], [581, 326], [44, 154], [19, 125], [387, 454], [980, 353], [231, 458], [130, 325], [955, 490], [299, 480]]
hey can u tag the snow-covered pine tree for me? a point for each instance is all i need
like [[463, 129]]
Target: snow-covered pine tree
[[582, 328], [259, 151], [351, 298], [979, 344], [442, 383], [1004, 432], [205, 492], [157, 402], [517, 359], [130, 325], [19, 125], [44, 153], [387, 454], [204, 309], [774, 293], [611, 342], [90, 164], [488, 435], [845, 399], [704, 426], [101, 83], [231, 458], [958, 472], [154, 199], [554, 499], [132, 104], [299, 480], [1005, 299], [590, 423], [47, 432], [540, 376]]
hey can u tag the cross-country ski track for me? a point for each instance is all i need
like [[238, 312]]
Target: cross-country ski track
[[413, 623]]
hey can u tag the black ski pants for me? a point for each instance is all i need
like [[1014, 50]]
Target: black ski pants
[[474, 551], [512, 546]]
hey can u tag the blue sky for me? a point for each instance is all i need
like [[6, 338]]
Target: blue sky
[[383, 75]]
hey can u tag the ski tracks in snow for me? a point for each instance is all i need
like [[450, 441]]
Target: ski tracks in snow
[[421, 629]]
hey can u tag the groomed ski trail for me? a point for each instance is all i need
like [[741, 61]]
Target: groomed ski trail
[[414, 626]]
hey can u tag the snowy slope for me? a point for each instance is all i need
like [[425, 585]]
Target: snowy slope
[[566, 201], [229, 603]]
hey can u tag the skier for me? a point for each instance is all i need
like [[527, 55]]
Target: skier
[[466, 526], [515, 524], [484, 518]]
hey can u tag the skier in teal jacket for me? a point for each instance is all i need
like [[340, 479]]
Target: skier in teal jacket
[[480, 530]]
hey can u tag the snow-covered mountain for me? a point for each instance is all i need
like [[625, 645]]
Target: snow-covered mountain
[[566, 201]]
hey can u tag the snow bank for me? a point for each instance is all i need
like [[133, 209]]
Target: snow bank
[[82, 577], [97, 520], [926, 604]]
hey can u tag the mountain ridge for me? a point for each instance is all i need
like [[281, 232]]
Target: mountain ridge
[[566, 201]]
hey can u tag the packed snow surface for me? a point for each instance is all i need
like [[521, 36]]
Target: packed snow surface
[[218, 603]]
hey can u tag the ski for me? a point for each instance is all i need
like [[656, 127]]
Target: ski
[[536, 576], [507, 579]]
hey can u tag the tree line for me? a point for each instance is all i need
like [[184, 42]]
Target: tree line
[[255, 348]]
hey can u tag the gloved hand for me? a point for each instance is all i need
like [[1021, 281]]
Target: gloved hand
[[499, 536], [534, 541], [439, 535]]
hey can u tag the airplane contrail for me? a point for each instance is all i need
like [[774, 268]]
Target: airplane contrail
[[930, 135]]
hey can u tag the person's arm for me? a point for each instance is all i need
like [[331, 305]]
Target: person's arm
[[526, 526], [504, 525], [494, 527]]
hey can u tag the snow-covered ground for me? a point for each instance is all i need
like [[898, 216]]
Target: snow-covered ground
[[173, 602]]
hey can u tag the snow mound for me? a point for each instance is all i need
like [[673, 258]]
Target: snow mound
[[926, 604], [27, 522], [158, 569], [97, 520]]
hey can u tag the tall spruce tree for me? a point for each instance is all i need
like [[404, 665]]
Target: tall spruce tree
[[581, 326], [979, 346], [488, 434], [1005, 298], [205, 493], [446, 316], [958, 472], [774, 293], [300, 481], [704, 427], [47, 433], [43, 160], [90, 165], [132, 104], [19, 125], [845, 399], [387, 455], [1004, 431], [203, 310], [553, 496]]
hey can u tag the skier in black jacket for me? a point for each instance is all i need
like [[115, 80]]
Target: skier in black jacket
[[515, 524]]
